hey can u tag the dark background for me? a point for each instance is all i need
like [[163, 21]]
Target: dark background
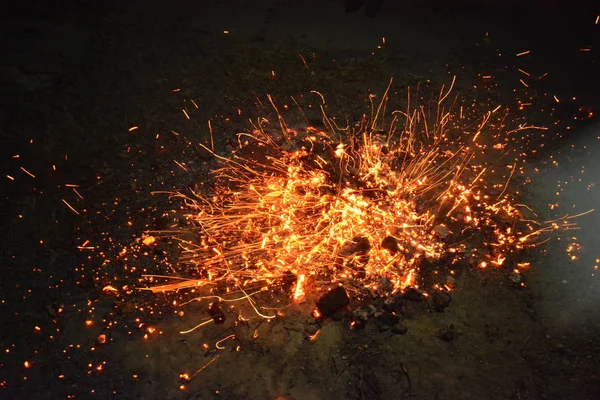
[[75, 75]]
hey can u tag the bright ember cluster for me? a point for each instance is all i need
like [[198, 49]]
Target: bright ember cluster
[[365, 206]]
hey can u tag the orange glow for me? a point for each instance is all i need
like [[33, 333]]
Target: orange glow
[[299, 291], [70, 206], [315, 336], [185, 376], [149, 240], [109, 289], [499, 260], [219, 345], [27, 172], [409, 280], [363, 206]]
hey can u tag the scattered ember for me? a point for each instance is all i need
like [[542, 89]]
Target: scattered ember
[[364, 207]]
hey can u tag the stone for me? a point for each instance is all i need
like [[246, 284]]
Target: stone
[[441, 231], [332, 301], [399, 330], [440, 301]]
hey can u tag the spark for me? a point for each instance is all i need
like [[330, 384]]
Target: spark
[[303, 61], [205, 365], [70, 206], [523, 72], [27, 172], [512, 171], [360, 206], [201, 324], [314, 336], [180, 165], [210, 132], [77, 193], [218, 344], [299, 291]]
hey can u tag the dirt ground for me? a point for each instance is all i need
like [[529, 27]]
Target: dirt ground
[[75, 77]]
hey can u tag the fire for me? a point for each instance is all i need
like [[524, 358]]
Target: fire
[[299, 291], [363, 206]]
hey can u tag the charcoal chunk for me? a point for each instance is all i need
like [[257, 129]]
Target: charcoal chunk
[[216, 313], [413, 295], [332, 301], [389, 319], [440, 301], [390, 244], [358, 323]]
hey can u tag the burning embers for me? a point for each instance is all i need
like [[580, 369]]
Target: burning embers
[[376, 208]]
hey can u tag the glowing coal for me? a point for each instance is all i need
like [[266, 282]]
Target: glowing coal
[[363, 207]]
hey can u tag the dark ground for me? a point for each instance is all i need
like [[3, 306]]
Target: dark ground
[[74, 77]]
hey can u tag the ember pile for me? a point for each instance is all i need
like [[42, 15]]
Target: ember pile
[[367, 207]]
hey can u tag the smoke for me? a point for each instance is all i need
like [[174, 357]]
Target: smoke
[[569, 290]]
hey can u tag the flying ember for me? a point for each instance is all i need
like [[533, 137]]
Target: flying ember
[[395, 201]]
